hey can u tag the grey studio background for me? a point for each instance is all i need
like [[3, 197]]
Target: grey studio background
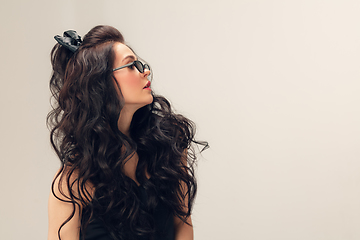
[[272, 85]]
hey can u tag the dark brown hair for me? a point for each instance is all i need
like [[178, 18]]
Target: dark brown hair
[[86, 138]]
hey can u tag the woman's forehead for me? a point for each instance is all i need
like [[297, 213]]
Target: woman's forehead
[[122, 51]]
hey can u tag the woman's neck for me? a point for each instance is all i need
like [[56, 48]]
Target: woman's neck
[[124, 120]]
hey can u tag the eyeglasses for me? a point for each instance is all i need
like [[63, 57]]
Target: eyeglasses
[[139, 66]]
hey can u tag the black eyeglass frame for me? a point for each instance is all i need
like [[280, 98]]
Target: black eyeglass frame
[[139, 66]]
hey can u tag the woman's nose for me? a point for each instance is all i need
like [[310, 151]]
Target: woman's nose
[[146, 73]]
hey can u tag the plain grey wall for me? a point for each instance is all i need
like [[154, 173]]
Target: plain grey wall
[[272, 85]]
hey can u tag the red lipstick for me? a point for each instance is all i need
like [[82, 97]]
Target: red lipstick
[[147, 86]]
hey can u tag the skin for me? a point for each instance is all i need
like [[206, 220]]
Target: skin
[[132, 84]]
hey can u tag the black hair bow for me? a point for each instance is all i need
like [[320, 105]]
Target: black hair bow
[[71, 40]]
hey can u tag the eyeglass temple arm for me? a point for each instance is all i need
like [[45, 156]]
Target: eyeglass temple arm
[[124, 66]]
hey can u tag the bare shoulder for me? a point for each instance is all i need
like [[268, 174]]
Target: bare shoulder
[[62, 209]]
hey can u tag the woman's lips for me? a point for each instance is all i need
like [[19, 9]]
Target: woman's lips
[[147, 85]]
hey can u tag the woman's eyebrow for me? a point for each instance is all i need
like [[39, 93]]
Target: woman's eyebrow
[[132, 57]]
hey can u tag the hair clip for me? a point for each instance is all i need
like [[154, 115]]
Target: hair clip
[[71, 40]]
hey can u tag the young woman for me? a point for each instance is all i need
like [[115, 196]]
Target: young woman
[[126, 158]]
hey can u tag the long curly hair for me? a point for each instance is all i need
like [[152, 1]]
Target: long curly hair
[[86, 105]]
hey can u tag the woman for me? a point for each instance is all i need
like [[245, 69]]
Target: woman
[[126, 158]]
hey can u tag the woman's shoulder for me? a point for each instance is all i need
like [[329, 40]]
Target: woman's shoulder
[[60, 207]]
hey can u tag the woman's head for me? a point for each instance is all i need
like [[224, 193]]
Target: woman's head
[[85, 79]]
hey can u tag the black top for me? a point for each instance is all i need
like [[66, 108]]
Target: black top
[[164, 223]]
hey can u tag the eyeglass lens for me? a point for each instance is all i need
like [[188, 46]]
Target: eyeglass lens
[[141, 67]]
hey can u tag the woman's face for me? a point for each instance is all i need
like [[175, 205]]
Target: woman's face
[[134, 85]]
